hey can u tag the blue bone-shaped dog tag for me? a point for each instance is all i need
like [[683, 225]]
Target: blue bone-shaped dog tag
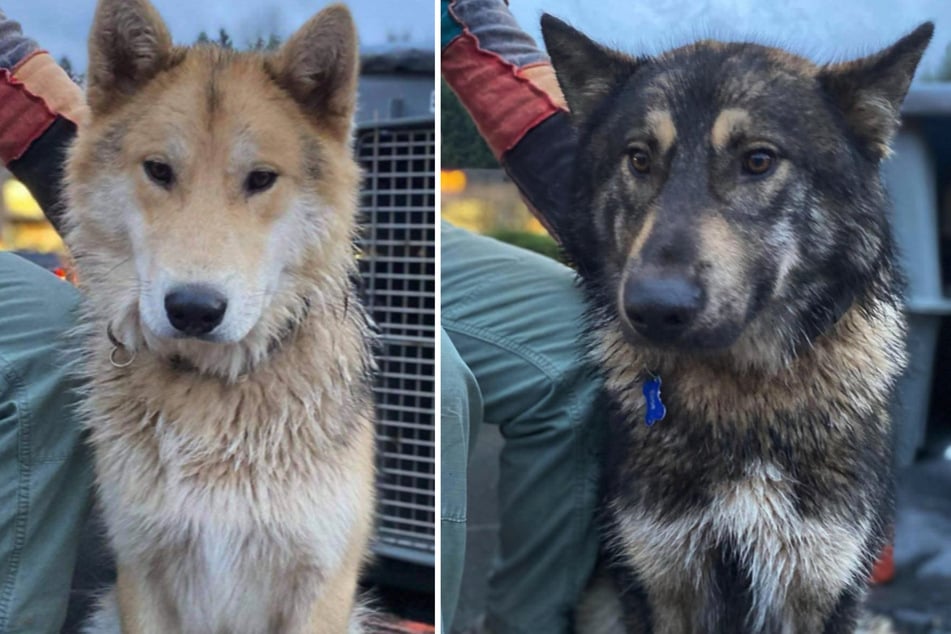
[[654, 409]]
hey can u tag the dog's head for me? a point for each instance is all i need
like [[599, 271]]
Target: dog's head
[[726, 182], [211, 189]]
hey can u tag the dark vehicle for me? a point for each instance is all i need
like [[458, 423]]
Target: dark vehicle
[[396, 145]]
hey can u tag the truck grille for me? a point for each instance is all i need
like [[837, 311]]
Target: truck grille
[[398, 266]]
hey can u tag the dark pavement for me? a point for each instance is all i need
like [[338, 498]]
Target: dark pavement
[[919, 598]]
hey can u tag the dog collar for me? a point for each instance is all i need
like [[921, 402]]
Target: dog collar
[[118, 349]]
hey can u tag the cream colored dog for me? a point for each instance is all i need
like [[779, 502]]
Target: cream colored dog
[[212, 201]]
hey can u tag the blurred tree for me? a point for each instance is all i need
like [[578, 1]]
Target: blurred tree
[[944, 70], [272, 43], [398, 37], [462, 146], [67, 66]]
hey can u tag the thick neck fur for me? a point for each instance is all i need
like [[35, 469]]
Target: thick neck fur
[[850, 370]]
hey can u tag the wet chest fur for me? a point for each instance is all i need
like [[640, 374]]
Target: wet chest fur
[[761, 515], [235, 505]]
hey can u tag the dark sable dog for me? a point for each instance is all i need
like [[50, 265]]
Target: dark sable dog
[[730, 229]]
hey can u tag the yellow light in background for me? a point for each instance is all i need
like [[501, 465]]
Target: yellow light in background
[[536, 227], [19, 202], [467, 213], [452, 181], [34, 236]]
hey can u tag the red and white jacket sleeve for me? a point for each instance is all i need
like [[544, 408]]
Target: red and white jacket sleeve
[[507, 84], [40, 110]]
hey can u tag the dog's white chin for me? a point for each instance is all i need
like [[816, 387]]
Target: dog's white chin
[[223, 358]]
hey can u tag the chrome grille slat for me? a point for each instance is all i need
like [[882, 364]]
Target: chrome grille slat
[[398, 267]]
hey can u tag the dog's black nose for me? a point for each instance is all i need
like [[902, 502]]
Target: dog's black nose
[[195, 310], [661, 308]]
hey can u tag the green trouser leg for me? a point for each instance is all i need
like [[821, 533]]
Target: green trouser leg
[[460, 413], [45, 470], [515, 320]]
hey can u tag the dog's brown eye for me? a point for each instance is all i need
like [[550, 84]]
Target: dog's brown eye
[[259, 180], [640, 161], [758, 162], [160, 173]]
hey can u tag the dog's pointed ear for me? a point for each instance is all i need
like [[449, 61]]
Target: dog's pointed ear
[[586, 71], [129, 44], [870, 91], [320, 64]]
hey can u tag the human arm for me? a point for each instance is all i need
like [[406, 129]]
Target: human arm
[[40, 110], [506, 83]]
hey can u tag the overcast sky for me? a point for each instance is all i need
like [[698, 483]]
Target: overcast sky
[[820, 29], [62, 26]]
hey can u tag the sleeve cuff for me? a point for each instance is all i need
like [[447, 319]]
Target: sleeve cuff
[[23, 117], [31, 99]]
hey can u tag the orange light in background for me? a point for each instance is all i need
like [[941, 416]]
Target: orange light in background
[[19, 203], [452, 181], [413, 627]]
